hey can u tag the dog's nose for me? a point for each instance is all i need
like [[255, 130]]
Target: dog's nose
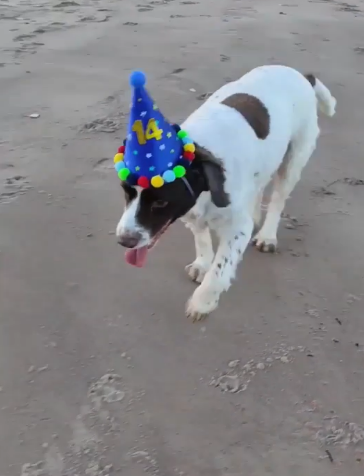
[[129, 240]]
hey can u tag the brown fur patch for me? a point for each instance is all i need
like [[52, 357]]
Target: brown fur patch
[[253, 110], [311, 79]]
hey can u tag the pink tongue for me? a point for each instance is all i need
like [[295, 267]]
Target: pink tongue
[[137, 257]]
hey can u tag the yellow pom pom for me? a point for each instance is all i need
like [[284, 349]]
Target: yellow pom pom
[[157, 181], [189, 148], [118, 158]]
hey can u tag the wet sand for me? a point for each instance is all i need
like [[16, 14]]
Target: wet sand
[[100, 371]]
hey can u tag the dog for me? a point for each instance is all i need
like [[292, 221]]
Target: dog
[[262, 126]]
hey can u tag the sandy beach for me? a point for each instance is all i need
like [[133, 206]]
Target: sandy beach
[[101, 374]]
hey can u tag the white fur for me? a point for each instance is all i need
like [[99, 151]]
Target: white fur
[[249, 164], [326, 102], [128, 223]]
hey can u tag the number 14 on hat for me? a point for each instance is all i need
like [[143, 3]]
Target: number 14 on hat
[[152, 131]]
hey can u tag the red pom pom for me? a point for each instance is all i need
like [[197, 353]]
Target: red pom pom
[[189, 156], [143, 182], [121, 149]]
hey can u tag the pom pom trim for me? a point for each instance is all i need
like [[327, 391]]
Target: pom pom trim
[[119, 157], [157, 181], [169, 176], [143, 182], [124, 174]]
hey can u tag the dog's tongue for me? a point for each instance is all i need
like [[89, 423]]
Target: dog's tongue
[[137, 257]]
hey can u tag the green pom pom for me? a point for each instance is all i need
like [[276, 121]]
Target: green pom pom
[[181, 134], [123, 174], [179, 171]]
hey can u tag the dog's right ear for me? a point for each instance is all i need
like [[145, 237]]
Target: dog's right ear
[[214, 175]]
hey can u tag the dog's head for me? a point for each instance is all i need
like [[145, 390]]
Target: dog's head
[[149, 212]]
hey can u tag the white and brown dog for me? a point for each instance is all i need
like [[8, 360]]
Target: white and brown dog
[[261, 126]]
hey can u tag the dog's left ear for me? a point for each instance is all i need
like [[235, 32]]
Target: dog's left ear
[[215, 177]]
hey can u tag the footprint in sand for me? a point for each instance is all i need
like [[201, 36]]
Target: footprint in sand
[[12, 188], [36, 469], [67, 4], [106, 389]]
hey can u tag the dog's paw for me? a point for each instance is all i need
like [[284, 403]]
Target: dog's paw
[[201, 304], [265, 245], [196, 271]]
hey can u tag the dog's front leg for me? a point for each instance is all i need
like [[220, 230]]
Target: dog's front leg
[[233, 242], [204, 253]]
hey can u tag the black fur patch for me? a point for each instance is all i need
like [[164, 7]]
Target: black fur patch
[[311, 79], [215, 177], [129, 192], [160, 206]]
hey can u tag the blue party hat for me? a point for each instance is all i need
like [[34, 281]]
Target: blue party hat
[[155, 151]]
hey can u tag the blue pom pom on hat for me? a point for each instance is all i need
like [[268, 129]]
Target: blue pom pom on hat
[[155, 150], [137, 79]]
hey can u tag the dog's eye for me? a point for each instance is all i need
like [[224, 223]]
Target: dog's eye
[[158, 204]]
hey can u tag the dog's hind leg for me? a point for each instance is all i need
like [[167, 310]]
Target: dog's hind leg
[[257, 212], [204, 253], [285, 179], [233, 241]]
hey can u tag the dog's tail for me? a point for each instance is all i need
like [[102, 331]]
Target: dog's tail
[[326, 101]]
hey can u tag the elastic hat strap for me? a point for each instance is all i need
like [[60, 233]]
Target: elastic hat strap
[[188, 186]]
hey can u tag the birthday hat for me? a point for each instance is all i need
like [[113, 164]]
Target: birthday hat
[[155, 151]]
